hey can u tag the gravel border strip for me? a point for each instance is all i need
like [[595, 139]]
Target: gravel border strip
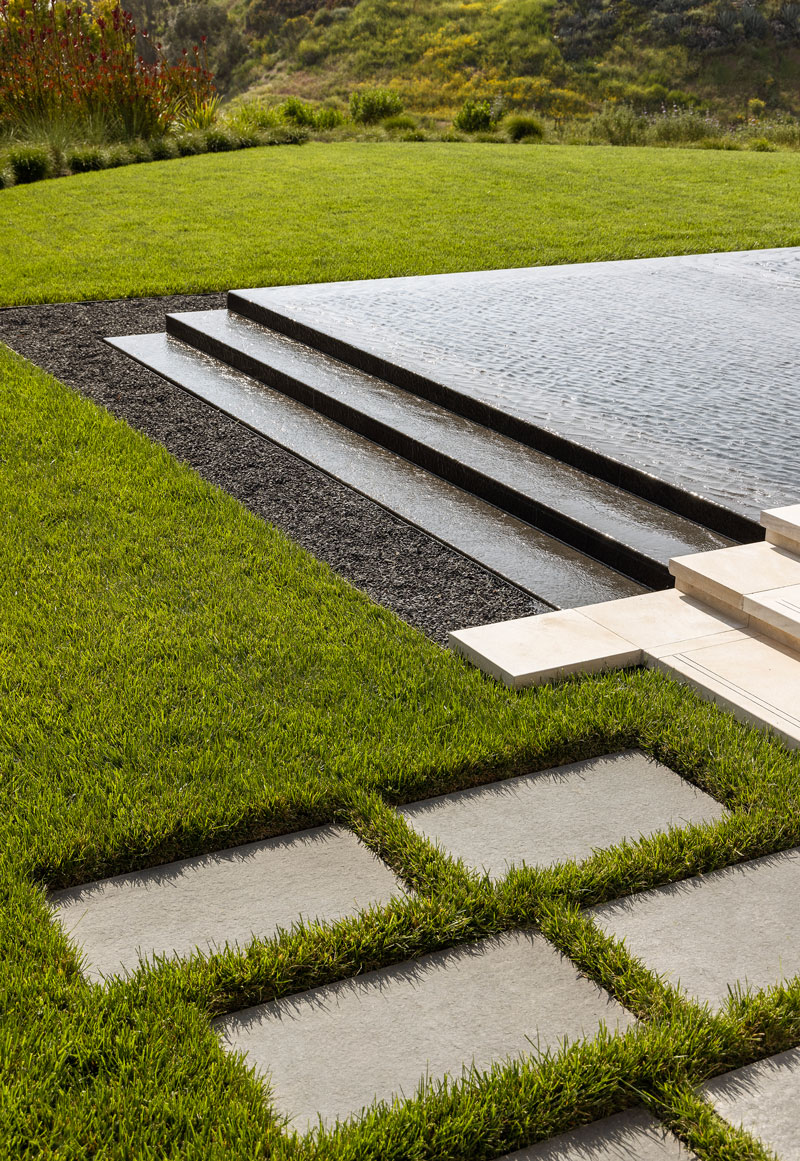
[[432, 587]]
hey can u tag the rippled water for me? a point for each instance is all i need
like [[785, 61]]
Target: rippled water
[[686, 367]]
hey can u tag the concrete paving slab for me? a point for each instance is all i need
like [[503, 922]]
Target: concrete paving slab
[[764, 1099], [531, 650], [333, 1050], [756, 678], [630, 1136], [656, 619], [560, 814], [729, 574], [709, 933], [231, 896]]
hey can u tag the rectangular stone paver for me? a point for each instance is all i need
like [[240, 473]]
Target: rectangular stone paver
[[764, 1099], [231, 896], [654, 620], [736, 925], [334, 1050], [630, 1136], [560, 814], [543, 648], [758, 680]]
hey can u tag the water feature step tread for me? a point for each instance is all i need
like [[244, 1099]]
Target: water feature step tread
[[331, 1051], [621, 529], [231, 896], [708, 934], [764, 1099], [561, 814], [556, 573], [783, 526], [634, 1135]]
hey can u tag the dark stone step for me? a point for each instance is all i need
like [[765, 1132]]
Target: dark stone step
[[539, 564], [622, 530]]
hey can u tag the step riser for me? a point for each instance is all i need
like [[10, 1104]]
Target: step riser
[[549, 570], [753, 624], [686, 504], [775, 633], [782, 541], [623, 558]]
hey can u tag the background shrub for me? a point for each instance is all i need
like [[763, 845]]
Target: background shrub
[[402, 122], [163, 149], [762, 145], [370, 105], [522, 128], [85, 158], [30, 163], [298, 112], [328, 118], [475, 117]]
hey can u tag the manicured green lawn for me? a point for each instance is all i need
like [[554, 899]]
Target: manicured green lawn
[[175, 677], [356, 210]]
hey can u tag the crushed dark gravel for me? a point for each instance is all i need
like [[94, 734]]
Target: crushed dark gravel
[[426, 583]]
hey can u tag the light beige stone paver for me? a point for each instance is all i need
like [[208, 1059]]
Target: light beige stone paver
[[776, 612], [560, 814], [729, 574], [231, 896], [707, 934], [783, 526], [756, 678], [542, 648], [630, 1136], [333, 1050], [764, 1099], [656, 619]]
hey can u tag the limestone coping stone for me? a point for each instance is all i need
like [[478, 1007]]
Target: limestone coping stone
[[544, 647], [331, 1051], [658, 619], [756, 678], [764, 1099], [783, 526], [709, 933], [633, 1135], [232, 896], [728, 575], [777, 612], [560, 814]]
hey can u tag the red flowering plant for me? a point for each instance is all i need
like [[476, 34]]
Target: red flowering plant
[[59, 62]]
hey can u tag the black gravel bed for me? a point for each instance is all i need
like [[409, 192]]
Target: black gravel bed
[[432, 587]]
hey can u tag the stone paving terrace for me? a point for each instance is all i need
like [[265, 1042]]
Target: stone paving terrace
[[329, 1052]]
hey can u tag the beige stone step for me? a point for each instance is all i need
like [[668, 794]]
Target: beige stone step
[[776, 613], [724, 578], [609, 635], [783, 526]]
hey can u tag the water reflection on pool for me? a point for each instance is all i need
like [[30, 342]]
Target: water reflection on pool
[[686, 367]]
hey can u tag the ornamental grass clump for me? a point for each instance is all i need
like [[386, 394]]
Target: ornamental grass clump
[[61, 63]]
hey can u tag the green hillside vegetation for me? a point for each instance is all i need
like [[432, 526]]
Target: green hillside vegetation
[[560, 57]]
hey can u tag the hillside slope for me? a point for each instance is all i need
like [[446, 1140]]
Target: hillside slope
[[562, 57]]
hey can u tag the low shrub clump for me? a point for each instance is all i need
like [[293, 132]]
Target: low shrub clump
[[476, 117], [85, 158], [30, 163], [368, 106], [522, 128]]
